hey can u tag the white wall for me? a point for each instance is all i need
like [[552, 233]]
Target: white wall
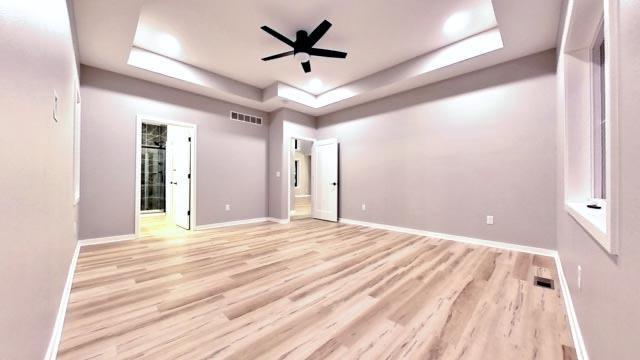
[[37, 211]]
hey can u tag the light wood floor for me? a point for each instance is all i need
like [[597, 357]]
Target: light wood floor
[[311, 289], [302, 208], [159, 225]]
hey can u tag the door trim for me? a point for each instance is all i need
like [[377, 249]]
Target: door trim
[[287, 145], [140, 118]]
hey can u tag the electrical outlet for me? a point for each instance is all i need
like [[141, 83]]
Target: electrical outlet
[[490, 220], [227, 207], [579, 277], [364, 207]]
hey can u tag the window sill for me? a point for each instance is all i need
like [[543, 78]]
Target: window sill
[[594, 221]]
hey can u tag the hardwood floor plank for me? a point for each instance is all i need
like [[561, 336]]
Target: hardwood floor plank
[[310, 289]]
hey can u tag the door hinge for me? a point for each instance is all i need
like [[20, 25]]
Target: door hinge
[[189, 138], [189, 176], [189, 213]]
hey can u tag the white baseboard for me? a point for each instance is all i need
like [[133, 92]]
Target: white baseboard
[[576, 334], [54, 342], [462, 239], [231, 223], [107, 239], [566, 295]]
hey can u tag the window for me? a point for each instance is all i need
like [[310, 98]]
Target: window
[[296, 166], [589, 76], [599, 123]]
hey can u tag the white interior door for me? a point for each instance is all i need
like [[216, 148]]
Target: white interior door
[[179, 148], [325, 180]]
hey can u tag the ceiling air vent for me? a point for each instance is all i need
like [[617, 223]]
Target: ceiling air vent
[[246, 118]]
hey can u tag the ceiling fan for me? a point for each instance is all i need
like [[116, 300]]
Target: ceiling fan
[[303, 45]]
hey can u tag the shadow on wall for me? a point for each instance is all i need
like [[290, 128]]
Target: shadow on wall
[[509, 72], [121, 84]]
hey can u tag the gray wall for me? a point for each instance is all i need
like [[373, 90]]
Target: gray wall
[[231, 155], [37, 211], [276, 163], [608, 305], [442, 157]]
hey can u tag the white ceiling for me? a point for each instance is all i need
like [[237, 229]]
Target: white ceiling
[[224, 38]]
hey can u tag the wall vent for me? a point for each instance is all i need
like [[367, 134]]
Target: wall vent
[[251, 119]]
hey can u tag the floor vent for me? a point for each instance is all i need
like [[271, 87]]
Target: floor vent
[[543, 282], [256, 120]]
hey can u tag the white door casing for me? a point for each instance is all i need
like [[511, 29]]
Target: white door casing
[[325, 185]]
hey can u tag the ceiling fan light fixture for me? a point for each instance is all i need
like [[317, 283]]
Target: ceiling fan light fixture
[[302, 57], [303, 46]]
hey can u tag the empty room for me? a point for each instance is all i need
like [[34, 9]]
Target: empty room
[[359, 179]]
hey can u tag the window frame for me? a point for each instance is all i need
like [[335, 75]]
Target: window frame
[[598, 119], [576, 50]]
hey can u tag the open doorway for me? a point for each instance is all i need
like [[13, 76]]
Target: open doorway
[[165, 177], [313, 179], [300, 178]]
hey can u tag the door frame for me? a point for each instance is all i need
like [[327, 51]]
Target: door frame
[[142, 118], [288, 147]]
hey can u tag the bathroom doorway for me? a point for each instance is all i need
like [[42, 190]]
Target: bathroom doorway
[[165, 189]]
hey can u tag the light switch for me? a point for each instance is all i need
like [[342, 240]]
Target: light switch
[[277, 173], [490, 220], [227, 207]]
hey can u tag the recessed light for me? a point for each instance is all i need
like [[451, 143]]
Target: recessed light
[[456, 23], [315, 84]]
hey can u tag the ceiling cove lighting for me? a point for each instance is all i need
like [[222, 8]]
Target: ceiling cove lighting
[[315, 85], [158, 42], [166, 66], [168, 44], [456, 23]]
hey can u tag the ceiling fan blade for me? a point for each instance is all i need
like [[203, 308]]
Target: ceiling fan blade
[[327, 53], [316, 34], [276, 56], [306, 66], [278, 36]]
